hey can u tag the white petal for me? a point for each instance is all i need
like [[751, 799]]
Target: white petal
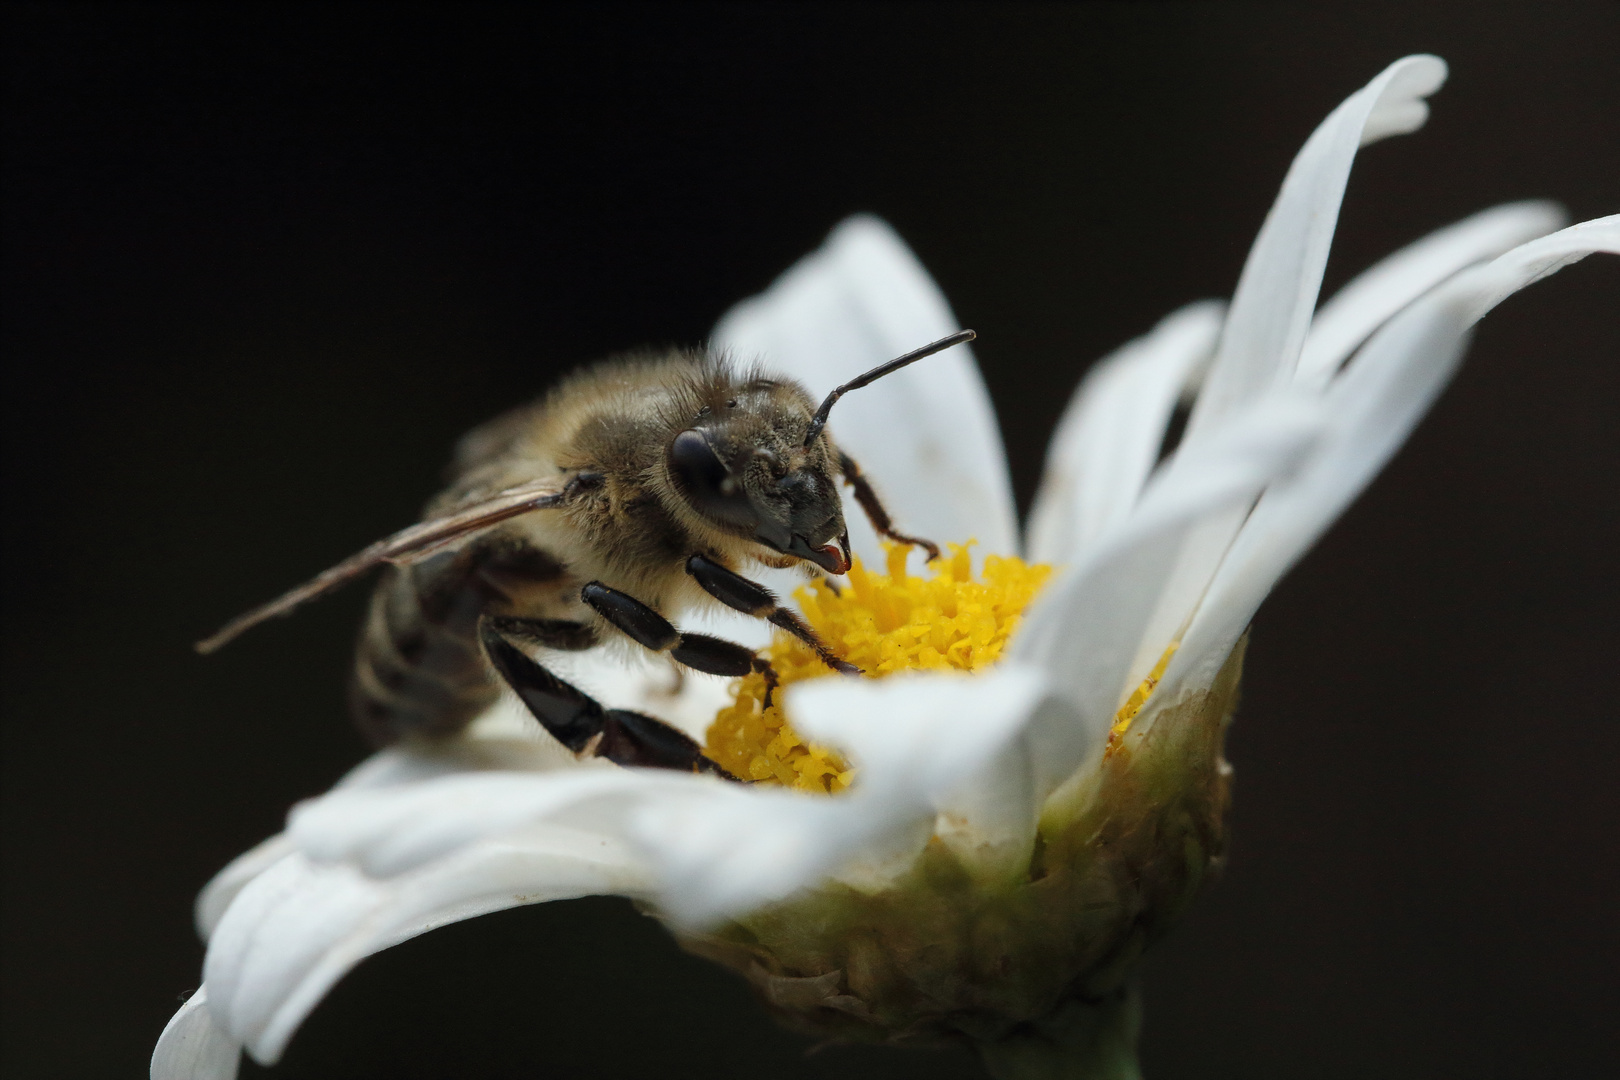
[[194, 1046], [1108, 439], [919, 733], [927, 434], [718, 848], [1373, 297], [256, 923], [916, 740], [1271, 309], [988, 820], [299, 927], [392, 831], [1085, 628], [739, 849], [411, 763], [217, 895], [1481, 289], [398, 766], [1374, 405]]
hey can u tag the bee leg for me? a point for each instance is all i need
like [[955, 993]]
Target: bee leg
[[700, 652], [570, 715], [752, 598], [875, 513], [636, 739], [562, 634], [579, 722]]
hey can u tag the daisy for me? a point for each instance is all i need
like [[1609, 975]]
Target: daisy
[[979, 843]]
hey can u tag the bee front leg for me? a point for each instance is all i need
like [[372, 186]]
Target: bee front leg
[[700, 652], [579, 722], [752, 598], [875, 513]]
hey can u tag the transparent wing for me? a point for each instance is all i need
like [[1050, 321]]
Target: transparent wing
[[402, 548]]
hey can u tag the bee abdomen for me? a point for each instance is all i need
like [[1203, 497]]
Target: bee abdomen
[[418, 666]]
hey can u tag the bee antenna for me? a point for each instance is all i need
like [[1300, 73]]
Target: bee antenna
[[819, 421]]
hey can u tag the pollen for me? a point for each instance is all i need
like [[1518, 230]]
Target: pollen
[[1133, 704], [881, 623]]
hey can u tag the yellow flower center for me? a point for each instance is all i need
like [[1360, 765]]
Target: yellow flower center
[[881, 624]]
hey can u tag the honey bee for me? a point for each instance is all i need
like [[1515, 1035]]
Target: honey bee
[[628, 496]]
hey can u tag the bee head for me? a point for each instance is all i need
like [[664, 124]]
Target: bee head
[[743, 466], [756, 461]]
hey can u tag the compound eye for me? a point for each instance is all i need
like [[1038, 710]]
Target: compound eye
[[706, 482]]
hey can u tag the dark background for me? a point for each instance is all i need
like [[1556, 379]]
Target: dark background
[[262, 265]]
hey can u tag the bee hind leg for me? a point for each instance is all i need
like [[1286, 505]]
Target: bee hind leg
[[579, 721], [563, 634]]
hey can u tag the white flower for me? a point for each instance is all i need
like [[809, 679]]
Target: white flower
[[1294, 408]]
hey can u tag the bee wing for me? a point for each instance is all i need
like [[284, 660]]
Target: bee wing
[[401, 549]]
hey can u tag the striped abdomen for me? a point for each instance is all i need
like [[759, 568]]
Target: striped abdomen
[[418, 666]]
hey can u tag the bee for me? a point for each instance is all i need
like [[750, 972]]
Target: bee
[[627, 496]]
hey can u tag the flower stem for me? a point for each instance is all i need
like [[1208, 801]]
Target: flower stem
[[1082, 1040]]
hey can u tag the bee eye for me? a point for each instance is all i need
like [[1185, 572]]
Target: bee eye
[[706, 482], [732, 404]]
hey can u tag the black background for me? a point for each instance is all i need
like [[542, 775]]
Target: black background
[[263, 264]]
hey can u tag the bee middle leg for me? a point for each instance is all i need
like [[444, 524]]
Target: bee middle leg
[[580, 723], [752, 598], [700, 652]]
